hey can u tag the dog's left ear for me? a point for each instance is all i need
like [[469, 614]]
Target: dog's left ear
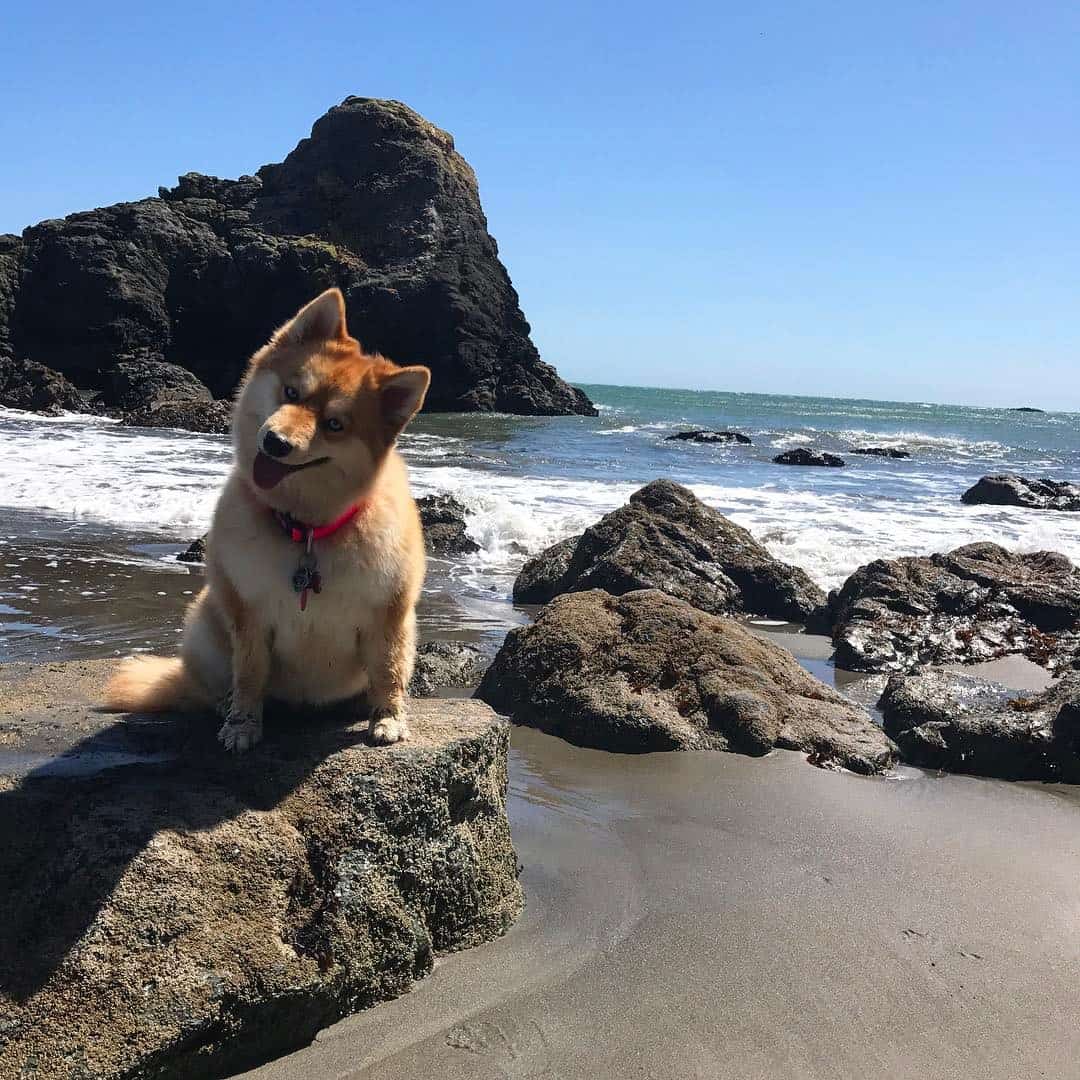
[[321, 320], [401, 393]]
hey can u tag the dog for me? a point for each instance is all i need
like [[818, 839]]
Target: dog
[[315, 555]]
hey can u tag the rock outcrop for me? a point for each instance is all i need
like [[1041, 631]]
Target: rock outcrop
[[442, 665], [135, 383], [443, 518], [646, 671], [376, 201], [171, 911], [1010, 490], [803, 456], [206, 417], [703, 436], [666, 538], [941, 720], [36, 388], [969, 605], [882, 451], [195, 551]]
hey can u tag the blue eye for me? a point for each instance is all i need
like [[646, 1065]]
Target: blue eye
[[334, 424], [291, 393]]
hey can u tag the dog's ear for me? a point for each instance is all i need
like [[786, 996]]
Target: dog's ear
[[401, 393], [321, 320]]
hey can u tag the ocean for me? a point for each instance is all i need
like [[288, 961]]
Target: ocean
[[94, 513]]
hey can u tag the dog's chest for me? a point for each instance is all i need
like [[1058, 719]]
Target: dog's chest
[[354, 588]]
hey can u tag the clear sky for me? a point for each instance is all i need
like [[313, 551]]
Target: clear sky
[[866, 199]]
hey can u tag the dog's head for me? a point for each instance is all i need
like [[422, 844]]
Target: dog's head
[[316, 415]]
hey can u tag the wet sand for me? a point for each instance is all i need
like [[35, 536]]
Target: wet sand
[[710, 915]]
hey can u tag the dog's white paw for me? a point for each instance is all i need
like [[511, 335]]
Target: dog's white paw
[[387, 727], [241, 732]]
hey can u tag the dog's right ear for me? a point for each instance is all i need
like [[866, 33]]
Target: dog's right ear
[[321, 320]]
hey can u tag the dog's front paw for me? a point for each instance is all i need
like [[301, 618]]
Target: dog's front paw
[[241, 732], [387, 727]]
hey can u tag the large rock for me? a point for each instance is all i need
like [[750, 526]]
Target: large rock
[[969, 605], [702, 436], [443, 665], [206, 417], [170, 911], [443, 519], [645, 672], [941, 720], [801, 455], [376, 201], [1010, 490], [666, 538], [36, 388], [138, 383]]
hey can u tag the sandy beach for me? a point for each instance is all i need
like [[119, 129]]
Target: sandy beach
[[710, 915]]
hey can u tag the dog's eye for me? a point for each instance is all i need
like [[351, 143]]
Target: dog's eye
[[332, 423], [291, 393]]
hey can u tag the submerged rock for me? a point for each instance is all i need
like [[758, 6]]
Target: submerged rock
[[1011, 490], [36, 388], [702, 436], [444, 664], [443, 519], [666, 538], [192, 914], [941, 720], [645, 672], [376, 200], [802, 456], [882, 451], [969, 605]]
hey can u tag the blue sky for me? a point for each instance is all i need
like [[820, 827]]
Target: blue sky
[[841, 198]]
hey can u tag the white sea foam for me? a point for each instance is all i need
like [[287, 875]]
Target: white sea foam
[[167, 482]]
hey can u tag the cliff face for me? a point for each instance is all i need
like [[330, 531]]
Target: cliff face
[[376, 201]]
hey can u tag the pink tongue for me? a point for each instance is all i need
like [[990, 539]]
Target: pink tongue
[[267, 472]]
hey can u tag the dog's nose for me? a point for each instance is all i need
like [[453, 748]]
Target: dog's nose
[[274, 445]]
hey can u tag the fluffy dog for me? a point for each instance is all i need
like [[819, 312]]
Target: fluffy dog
[[315, 557]]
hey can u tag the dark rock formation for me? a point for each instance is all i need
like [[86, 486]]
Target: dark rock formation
[[443, 518], [195, 553], [702, 436], [376, 201], [36, 388], [802, 456], [1026, 408], [666, 538], [645, 672], [976, 603], [881, 451], [1010, 490], [136, 384], [445, 664], [207, 417], [941, 720], [170, 911]]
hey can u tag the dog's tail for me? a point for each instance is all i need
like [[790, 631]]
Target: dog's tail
[[153, 684]]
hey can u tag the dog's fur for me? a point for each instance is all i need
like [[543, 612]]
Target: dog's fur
[[245, 637]]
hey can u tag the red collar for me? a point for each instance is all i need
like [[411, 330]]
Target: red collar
[[299, 531]]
